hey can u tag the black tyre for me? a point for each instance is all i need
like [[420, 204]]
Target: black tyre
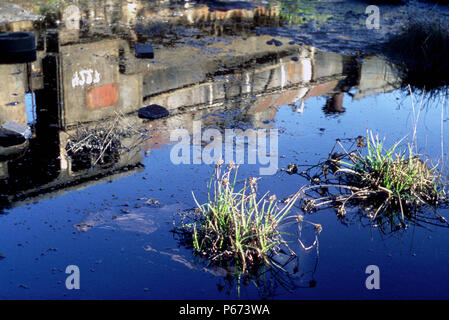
[[17, 47], [153, 112]]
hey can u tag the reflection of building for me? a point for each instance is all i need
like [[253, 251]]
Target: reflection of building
[[93, 81], [79, 78], [45, 170], [376, 76], [14, 83]]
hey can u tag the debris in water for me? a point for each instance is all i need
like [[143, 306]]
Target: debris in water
[[153, 112], [292, 168]]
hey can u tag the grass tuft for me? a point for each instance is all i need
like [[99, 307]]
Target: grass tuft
[[235, 227], [398, 172], [390, 184]]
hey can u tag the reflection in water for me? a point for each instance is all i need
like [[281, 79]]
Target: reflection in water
[[102, 144], [419, 56], [291, 268], [387, 187], [334, 104], [77, 84], [212, 64], [388, 227]]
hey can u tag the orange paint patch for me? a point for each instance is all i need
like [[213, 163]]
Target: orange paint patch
[[322, 89], [294, 72], [102, 97]]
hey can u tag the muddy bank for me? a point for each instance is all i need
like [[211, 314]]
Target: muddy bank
[[338, 26]]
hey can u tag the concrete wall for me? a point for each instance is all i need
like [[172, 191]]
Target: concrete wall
[[97, 80], [92, 86], [13, 80], [376, 76]]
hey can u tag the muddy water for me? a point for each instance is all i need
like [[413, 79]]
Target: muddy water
[[212, 66]]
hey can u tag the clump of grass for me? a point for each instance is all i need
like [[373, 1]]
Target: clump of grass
[[235, 227], [401, 174], [249, 239], [419, 54], [392, 183]]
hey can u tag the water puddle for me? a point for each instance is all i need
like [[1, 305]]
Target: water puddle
[[98, 186]]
